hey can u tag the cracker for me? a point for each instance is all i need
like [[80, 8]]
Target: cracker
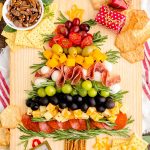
[[9, 35], [36, 35], [118, 142], [116, 148], [4, 137], [22, 40], [10, 117], [1, 7], [97, 3], [134, 56]]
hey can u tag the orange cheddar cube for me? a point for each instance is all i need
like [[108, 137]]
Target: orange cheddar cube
[[62, 58], [47, 54], [70, 62], [89, 60], [79, 59], [52, 63]]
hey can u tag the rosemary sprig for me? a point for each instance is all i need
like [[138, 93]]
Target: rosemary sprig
[[118, 96], [71, 134], [36, 67], [113, 56], [130, 120], [47, 37], [62, 19], [98, 39], [41, 56], [39, 120], [31, 94], [110, 124], [90, 22]]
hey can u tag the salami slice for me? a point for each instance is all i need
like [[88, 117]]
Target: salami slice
[[61, 79], [111, 80], [69, 73], [44, 127]]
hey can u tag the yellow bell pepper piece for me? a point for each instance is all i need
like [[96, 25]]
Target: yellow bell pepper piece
[[47, 54], [52, 63], [70, 62]]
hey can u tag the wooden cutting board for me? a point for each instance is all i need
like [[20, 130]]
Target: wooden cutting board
[[20, 77]]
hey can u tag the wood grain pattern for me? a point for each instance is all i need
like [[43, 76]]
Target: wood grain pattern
[[20, 76]]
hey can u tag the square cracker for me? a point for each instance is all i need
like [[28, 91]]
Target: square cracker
[[9, 35], [116, 142], [36, 35], [10, 117], [134, 56], [22, 40], [4, 137]]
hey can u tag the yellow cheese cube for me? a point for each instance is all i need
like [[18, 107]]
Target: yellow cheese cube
[[55, 56], [77, 113], [90, 111], [85, 116], [36, 114], [54, 112], [42, 108], [66, 113], [70, 62], [62, 58], [52, 63], [60, 118], [96, 116], [48, 115], [112, 118], [79, 59], [50, 107], [107, 113], [89, 60], [47, 54], [116, 109], [85, 65]]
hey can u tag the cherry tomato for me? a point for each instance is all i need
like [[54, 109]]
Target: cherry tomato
[[121, 121], [65, 43], [57, 38], [75, 38], [87, 41]]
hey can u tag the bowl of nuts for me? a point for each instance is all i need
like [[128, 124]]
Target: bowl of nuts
[[23, 14]]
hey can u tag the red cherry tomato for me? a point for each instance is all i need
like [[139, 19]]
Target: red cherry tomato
[[121, 121], [65, 43], [75, 38], [36, 142], [87, 41]]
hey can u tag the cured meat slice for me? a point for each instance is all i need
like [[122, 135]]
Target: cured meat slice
[[98, 125], [28, 124], [75, 124], [69, 73], [61, 79], [83, 124], [77, 74], [53, 124], [44, 127], [95, 67], [64, 125], [84, 74], [111, 80], [47, 75]]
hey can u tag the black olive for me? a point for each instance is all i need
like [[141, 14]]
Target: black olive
[[54, 100], [73, 106], [100, 109], [68, 98], [44, 101], [35, 106], [91, 102], [84, 107], [109, 104], [78, 99], [29, 102], [100, 99], [63, 105]]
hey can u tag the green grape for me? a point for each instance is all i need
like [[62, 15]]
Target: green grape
[[104, 93], [83, 92], [92, 92], [72, 51], [66, 89], [79, 50], [87, 51], [87, 85], [74, 92], [41, 92], [65, 50], [58, 90], [56, 48], [50, 91]]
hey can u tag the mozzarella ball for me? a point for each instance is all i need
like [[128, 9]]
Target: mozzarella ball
[[45, 70], [108, 65], [115, 88], [55, 75], [84, 71], [39, 81], [97, 76]]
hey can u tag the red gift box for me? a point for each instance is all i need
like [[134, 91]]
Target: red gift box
[[119, 4], [112, 19]]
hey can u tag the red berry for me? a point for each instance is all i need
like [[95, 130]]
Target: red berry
[[87, 41], [75, 38], [83, 34], [75, 29], [65, 43], [76, 21], [68, 24], [84, 27]]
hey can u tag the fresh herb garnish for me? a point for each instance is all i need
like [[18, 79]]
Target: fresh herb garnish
[[47, 37], [39, 120], [62, 19], [118, 96], [90, 22], [112, 56], [47, 2], [110, 124], [9, 29], [98, 39], [130, 120]]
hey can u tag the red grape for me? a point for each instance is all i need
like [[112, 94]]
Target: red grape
[[68, 24], [75, 29], [85, 27], [83, 34], [76, 21], [63, 30]]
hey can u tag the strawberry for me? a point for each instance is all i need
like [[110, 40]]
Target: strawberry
[[65, 43], [75, 38], [87, 41]]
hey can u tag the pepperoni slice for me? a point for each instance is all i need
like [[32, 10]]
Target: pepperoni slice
[[98, 125], [53, 124], [64, 125], [45, 128], [28, 124], [75, 124], [83, 124]]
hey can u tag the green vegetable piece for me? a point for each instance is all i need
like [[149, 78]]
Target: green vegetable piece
[[9, 29]]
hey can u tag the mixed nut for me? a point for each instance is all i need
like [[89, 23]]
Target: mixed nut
[[24, 13]]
